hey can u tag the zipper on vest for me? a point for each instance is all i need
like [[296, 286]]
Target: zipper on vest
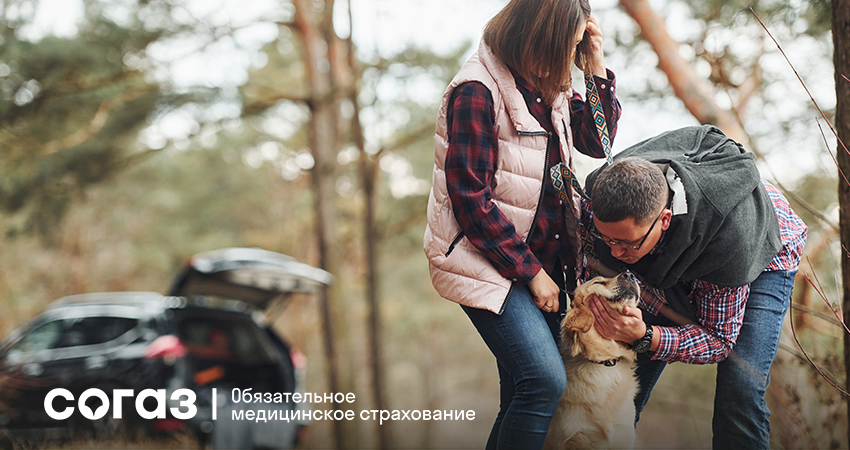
[[534, 133], [454, 242], [505, 303], [542, 191], [539, 202]]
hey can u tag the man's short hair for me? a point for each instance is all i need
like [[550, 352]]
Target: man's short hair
[[632, 187]]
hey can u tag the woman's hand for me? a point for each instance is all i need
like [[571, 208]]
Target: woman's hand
[[545, 291], [595, 60], [627, 327]]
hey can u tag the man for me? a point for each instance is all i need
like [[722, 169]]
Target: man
[[716, 249]]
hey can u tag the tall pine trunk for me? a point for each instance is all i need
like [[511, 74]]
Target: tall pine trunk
[[368, 179], [841, 61], [324, 125]]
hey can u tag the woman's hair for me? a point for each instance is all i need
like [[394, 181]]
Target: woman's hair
[[632, 187], [539, 37]]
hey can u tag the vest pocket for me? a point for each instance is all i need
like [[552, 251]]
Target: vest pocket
[[455, 242]]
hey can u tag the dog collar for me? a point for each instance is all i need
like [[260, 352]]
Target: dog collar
[[609, 363]]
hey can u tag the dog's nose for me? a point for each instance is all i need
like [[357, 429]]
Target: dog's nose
[[628, 276]]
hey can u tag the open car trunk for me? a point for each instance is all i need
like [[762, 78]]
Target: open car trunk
[[230, 351], [221, 346], [251, 275]]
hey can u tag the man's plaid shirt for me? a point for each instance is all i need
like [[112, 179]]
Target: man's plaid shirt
[[471, 164]]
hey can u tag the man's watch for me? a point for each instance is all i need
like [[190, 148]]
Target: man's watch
[[642, 345]]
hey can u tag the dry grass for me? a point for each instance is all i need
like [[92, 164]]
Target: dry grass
[[175, 442]]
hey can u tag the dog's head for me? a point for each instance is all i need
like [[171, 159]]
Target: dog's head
[[577, 327]]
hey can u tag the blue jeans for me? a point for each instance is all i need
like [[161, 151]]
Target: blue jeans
[[531, 373], [740, 409]]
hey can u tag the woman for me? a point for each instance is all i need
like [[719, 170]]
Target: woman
[[498, 240]]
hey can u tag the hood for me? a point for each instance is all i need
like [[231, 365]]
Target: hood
[[728, 212]]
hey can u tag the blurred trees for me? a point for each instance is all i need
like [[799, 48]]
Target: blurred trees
[[335, 79], [694, 91], [321, 48], [70, 111], [92, 161], [717, 62]]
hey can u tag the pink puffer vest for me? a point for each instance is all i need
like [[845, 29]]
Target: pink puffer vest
[[459, 272]]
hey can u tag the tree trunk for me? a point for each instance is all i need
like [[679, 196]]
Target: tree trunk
[[323, 138], [368, 177], [694, 91], [841, 61]]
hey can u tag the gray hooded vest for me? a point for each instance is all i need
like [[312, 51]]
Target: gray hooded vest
[[730, 232]]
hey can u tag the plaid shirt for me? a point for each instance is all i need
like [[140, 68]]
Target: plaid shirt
[[719, 309], [471, 165]]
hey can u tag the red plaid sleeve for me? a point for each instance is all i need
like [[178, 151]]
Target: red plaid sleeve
[[792, 231], [586, 138], [720, 311]]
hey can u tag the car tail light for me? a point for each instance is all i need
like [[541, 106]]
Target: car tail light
[[299, 361], [301, 434], [166, 347], [207, 376], [169, 424]]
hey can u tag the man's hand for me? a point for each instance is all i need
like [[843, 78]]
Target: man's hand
[[545, 291], [627, 327]]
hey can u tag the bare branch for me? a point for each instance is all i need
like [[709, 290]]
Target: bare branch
[[256, 107], [407, 139], [96, 124], [751, 84], [806, 205], [222, 32], [811, 362], [690, 88], [832, 320], [806, 88]]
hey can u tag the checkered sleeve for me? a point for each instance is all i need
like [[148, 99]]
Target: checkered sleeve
[[470, 168], [792, 232], [585, 137], [651, 299], [720, 311]]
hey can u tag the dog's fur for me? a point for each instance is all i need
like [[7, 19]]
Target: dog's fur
[[597, 409]]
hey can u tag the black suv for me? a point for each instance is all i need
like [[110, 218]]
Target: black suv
[[207, 335]]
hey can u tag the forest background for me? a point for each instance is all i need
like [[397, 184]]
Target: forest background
[[136, 133]]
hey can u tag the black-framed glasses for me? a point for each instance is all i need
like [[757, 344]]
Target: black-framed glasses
[[610, 242]]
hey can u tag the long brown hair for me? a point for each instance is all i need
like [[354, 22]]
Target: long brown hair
[[538, 37]]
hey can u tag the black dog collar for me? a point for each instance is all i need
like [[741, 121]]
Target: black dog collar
[[608, 363]]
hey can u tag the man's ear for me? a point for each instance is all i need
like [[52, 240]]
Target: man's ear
[[666, 217], [579, 319]]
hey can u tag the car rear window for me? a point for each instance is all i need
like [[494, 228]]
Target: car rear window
[[73, 332], [224, 340], [94, 330]]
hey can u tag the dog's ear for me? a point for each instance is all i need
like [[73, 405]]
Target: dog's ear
[[579, 319]]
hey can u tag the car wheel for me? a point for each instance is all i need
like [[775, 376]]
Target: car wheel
[[108, 427]]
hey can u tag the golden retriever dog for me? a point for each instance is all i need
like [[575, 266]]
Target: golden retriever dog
[[597, 410]]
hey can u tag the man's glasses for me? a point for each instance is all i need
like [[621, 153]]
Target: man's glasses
[[610, 242]]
